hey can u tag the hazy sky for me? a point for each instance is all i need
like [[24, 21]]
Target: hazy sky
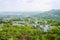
[[28, 5]]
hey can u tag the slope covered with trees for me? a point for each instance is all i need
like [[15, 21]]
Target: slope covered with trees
[[52, 14]]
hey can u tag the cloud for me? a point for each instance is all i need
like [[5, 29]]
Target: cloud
[[56, 4], [25, 5]]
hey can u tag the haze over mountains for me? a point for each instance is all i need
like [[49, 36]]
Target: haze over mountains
[[19, 13], [55, 13]]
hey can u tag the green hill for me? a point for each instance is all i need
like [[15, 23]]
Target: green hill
[[52, 14]]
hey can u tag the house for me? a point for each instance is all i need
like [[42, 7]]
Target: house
[[18, 23], [45, 28]]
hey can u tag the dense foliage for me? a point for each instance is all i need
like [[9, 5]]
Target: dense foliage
[[9, 32]]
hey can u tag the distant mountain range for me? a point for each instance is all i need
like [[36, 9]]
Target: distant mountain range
[[53, 14], [18, 13]]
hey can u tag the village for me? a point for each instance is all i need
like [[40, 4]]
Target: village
[[42, 24]]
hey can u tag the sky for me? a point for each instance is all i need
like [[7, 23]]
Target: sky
[[29, 5]]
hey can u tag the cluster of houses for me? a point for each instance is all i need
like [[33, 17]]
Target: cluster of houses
[[35, 24]]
